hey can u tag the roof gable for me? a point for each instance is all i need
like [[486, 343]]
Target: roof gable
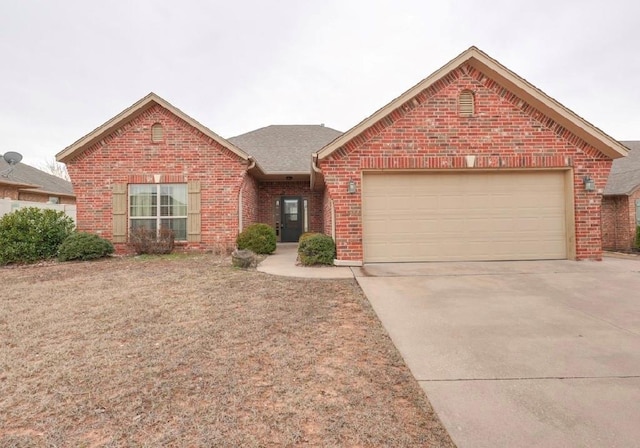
[[624, 178], [518, 86], [132, 112], [285, 148]]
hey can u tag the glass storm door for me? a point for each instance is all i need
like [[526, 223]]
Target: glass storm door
[[291, 219]]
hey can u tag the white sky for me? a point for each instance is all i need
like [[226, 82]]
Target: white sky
[[67, 66]]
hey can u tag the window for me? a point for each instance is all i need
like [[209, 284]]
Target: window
[[638, 212], [466, 106], [156, 206], [157, 133]]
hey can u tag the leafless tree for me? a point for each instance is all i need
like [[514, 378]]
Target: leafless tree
[[52, 166]]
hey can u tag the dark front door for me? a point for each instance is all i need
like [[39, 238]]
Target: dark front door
[[291, 209]]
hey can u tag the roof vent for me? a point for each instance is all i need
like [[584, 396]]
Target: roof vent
[[466, 106], [157, 133]]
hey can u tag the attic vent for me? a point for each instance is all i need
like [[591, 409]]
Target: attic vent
[[157, 133], [466, 106]]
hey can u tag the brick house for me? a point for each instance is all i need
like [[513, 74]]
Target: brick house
[[154, 166], [26, 183], [472, 163], [621, 201]]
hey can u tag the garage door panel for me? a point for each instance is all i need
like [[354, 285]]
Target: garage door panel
[[464, 216]]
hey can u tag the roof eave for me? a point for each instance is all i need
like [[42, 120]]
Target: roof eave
[[39, 191]]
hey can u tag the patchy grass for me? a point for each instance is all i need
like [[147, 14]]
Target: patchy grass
[[183, 351]]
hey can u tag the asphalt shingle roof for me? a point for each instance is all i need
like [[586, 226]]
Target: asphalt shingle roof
[[29, 175], [285, 148], [625, 172]]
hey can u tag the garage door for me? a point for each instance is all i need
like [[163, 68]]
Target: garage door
[[464, 216]]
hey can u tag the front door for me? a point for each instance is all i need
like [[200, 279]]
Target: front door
[[291, 219]]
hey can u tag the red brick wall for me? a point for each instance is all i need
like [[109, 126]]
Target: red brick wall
[[326, 212], [35, 197], [615, 230], [427, 132], [7, 191], [619, 222], [249, 201], [269, 191], [128, 155]]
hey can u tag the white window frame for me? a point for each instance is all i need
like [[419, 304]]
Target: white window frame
[[158, 215]]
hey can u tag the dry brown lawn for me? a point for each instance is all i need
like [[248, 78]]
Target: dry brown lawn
[[187, 351]]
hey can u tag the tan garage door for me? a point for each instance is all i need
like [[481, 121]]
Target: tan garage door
[[464, 216]]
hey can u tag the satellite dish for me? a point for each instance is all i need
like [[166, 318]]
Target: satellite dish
[[12, 157]]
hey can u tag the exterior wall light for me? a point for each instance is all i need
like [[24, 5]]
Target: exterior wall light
[[351, 188], [589, 183]]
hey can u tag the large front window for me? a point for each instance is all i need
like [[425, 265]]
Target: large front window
[[157, 206]]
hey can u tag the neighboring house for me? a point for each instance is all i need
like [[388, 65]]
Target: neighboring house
[[472, 163], [621, 202], [26, 183]]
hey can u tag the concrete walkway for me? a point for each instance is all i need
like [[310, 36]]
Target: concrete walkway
[[283, 262]]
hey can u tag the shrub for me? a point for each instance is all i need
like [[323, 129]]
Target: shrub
[[637, 242], [258, 238], [31, 234], [317, 249], [145, 241], [306, 235], [84, 246]]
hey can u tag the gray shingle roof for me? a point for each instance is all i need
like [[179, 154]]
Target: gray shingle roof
[[285, 148], [625, 172], [29, 175]]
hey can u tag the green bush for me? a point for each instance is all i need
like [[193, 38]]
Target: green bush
[[145, 241], [84, 246], [258, 238], [306, 235], [637, 243], [31, 234], [316, 249]]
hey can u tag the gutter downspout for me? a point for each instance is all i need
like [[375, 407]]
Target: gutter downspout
[[252, 164], [314, 169]]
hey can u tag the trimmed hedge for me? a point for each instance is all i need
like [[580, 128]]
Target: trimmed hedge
[[316, 249], [32, 234], [637, 245], [84, 246], [258, 238]]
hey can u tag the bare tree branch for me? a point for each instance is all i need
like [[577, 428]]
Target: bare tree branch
[[52, 166]]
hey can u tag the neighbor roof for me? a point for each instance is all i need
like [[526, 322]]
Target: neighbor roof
[[624, 178], [133, 111], [32, 179], [509, 80], [285, 148]]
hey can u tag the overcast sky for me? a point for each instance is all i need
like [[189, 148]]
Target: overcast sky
[[67, 66]]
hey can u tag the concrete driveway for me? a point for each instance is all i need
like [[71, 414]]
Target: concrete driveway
[[520, 353]]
